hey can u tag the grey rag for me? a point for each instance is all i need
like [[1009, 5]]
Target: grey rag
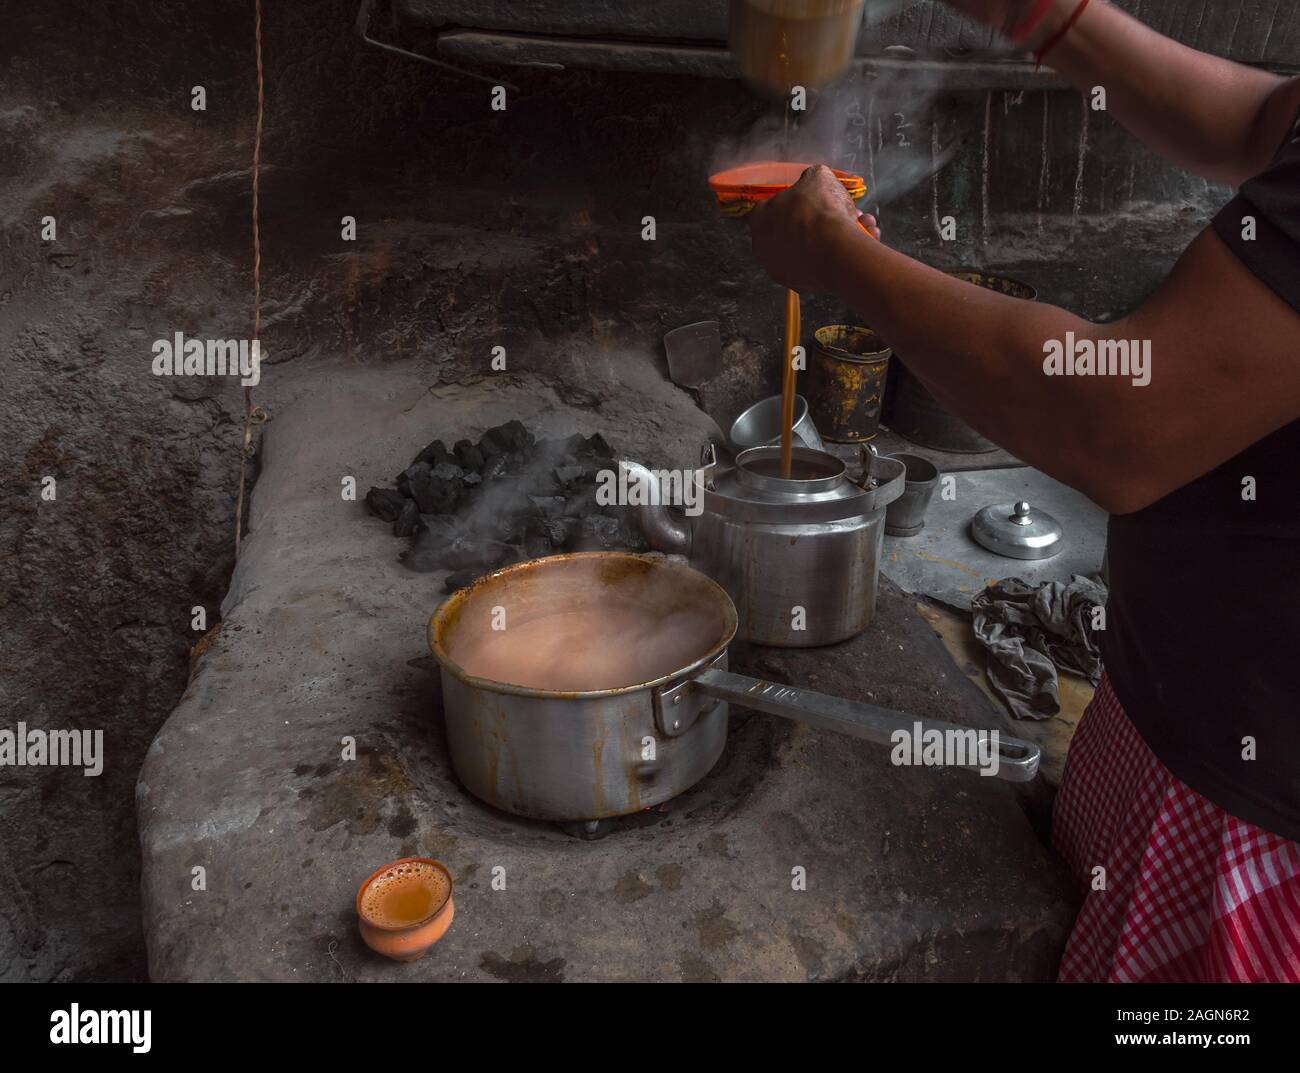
[[1030, 631]]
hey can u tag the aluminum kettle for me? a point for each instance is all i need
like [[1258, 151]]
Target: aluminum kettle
[[799, 558]]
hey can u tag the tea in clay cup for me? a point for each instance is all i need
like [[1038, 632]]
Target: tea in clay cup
[[405, 907]]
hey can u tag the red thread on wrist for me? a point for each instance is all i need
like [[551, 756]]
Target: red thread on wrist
[[1030, 23], [1060, 35]]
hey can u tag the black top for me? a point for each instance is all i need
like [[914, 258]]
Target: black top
[[1202, 643]]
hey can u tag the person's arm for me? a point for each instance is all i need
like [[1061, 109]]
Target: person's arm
[[1219, 119], [1224, 370]]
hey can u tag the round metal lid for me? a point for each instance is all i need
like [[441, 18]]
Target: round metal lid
[[1017, 531]]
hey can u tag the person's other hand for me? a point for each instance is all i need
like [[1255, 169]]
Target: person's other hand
[[791, 231]]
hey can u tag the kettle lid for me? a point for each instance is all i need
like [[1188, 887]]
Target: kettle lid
[[1017, 531]]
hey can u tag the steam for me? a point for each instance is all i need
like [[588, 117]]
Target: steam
[[878, 123], [585, 624]]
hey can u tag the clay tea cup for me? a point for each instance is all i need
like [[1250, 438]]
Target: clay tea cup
[[405, 907]]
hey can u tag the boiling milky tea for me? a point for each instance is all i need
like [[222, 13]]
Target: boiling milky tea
[[608, 646]]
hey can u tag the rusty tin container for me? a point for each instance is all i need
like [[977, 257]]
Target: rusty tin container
[[914, 412], [846, 382]]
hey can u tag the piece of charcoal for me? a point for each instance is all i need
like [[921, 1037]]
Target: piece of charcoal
[[470, 479], [435, 454], [448, 471], [424, 556], [469, 456], [568, 474], [547, 506], [438, 530], [429, 550], [385, 503], [517, 436], [595, 445], [510, 529], [437, 495], [422, 492], [562, 532], [494, 467], [536, 541], [512, 437], [408, 519], [582, 503], [467, 551], [415, 471], [510, 500], [493, 443], [600, 531]]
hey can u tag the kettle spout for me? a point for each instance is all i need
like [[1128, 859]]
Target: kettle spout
[[664, 530]]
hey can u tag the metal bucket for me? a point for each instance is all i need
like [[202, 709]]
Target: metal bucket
[[913, 411], [846, 382]]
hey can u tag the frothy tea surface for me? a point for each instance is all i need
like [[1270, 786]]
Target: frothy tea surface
[[406, 894], [602, 647]]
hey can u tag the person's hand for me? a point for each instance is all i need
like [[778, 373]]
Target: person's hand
[[791, 232]]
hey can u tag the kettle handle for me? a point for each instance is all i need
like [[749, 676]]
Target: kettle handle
[[869, 455]]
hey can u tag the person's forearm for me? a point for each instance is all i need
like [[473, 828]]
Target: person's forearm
[[1203, 112], [981, 355]]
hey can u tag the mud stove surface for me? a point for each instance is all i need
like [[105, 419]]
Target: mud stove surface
[[802, 855]]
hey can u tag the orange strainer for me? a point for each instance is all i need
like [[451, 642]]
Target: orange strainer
[[738, 190]]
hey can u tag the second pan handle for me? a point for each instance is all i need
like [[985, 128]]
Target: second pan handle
[[1014, 760]]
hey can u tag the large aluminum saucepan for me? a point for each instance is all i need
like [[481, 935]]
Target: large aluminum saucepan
[[574, 755]]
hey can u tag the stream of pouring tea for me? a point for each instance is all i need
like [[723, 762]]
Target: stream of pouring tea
[[792, 316], [788, 371]]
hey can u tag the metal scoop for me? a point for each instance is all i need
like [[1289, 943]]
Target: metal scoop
[[694, 353]]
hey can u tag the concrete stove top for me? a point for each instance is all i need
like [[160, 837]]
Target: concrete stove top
[[909, 874]]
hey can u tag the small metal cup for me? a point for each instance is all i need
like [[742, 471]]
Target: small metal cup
[[905, 517], [760, 426]]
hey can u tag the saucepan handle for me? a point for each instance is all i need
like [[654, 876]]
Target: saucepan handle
[[1012, 759]]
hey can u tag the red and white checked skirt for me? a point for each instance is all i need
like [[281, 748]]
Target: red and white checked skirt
[[1192, 894]]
